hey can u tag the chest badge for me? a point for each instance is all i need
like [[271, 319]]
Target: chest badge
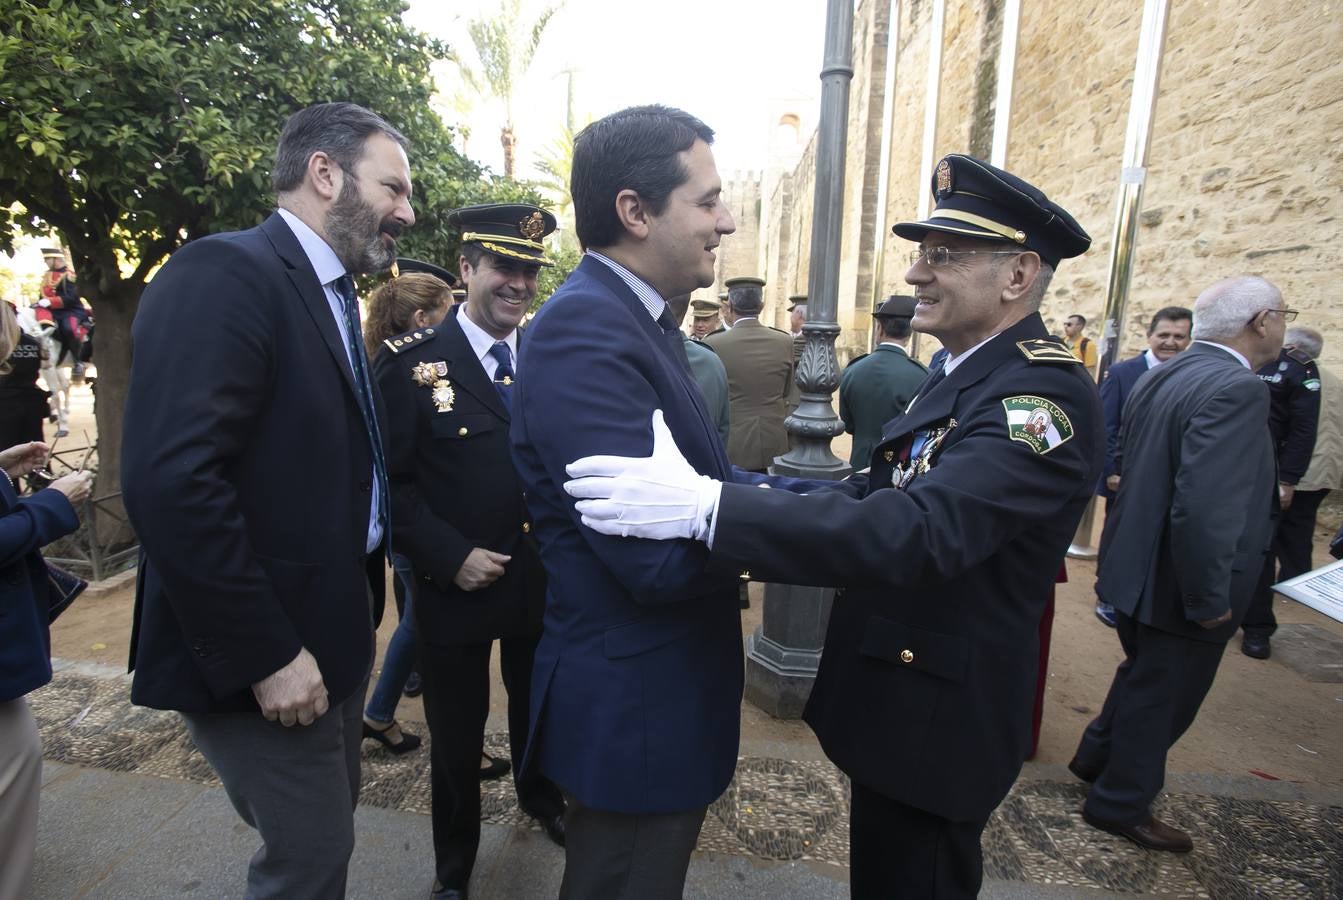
[[426, 373], [923, 445], [443, 395]]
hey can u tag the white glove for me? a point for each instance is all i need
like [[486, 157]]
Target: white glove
[[657, 497]]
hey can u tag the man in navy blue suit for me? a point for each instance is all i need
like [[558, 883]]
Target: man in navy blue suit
[[258, 490], [637, 679], [1167, 335]]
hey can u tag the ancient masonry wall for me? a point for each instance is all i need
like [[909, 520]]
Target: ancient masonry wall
[[1244, 174]]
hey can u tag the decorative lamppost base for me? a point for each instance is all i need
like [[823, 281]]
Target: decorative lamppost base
[[781, 669]]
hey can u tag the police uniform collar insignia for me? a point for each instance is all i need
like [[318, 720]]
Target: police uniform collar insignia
[[1037, 423]]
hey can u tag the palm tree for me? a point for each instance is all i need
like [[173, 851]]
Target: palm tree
[[505, 46]]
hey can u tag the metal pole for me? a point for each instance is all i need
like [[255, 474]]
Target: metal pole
[[1124, 239], [814, 422], [1007, 67], [931, 100], [784, 653], [880, 238]]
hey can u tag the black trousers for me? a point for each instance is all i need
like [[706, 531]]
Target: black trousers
[[1154, 698], [1292, 542], [623, 856], [456, 704], [897, 850]]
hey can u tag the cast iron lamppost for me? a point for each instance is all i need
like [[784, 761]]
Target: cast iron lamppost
[[784, 652]]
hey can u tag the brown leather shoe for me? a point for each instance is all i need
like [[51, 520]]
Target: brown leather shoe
[[1153, 834]]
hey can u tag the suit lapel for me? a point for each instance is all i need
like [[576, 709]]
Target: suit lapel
[[603, 273], [310, 291], [467, 371]]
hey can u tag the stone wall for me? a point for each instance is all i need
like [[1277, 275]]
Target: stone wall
[[1243, 175]]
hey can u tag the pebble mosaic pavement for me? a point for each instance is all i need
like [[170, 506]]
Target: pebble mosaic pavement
[[781, 809]]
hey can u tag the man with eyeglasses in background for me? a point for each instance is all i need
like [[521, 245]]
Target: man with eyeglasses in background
[[1293, 381], [927, 679]]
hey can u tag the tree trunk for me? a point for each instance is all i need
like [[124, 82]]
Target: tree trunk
[[113, 313], [509, 141]]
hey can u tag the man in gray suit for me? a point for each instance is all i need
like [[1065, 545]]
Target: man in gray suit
[[1183, 546]]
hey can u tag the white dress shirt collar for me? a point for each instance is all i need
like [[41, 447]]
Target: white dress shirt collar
[[1152, 361], [954, 361], [324, 260], [650, 298], [481, 342]]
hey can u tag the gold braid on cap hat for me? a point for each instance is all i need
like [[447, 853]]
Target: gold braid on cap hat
[[502, 239]]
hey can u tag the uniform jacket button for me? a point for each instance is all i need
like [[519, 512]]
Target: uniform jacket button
[[906, 656], [463, 431], [526, 527], [745, 575]]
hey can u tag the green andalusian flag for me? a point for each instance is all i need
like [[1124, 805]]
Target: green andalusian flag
[[1036, 422]]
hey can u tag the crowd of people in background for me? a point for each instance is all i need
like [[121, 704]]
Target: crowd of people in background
[[584, 488]]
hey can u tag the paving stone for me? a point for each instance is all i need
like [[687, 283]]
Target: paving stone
[[781, 827]]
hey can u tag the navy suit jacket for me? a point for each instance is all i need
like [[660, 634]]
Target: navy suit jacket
[[1115, 389], [25, 593], [246, 467], [637, 680]]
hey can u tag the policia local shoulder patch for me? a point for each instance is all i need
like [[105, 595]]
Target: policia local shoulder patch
[[1037, 423]]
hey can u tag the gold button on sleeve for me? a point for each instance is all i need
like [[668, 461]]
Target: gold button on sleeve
[[462, 431], [907, 656]]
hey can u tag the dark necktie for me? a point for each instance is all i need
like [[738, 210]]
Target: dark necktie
[[675, 339], [504, 375], [354, 348]]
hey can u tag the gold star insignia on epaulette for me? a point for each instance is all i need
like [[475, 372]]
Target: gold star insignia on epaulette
[[1043, 350], [403, 341]]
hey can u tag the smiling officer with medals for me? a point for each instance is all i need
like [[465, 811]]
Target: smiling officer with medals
[[458, 515], [946, 550]]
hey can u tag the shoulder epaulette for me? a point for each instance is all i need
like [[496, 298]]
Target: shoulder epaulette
[[1045, 350], [858, 358], [405, 341], [1300, 356], [780, 331]]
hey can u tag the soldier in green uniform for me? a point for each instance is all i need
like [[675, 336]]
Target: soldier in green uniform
[[878, 387]]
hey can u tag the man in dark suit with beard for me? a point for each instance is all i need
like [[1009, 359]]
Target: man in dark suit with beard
[[461, 520], [1182, 549], [258, 491]]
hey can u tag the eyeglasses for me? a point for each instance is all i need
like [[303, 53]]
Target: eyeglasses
[[936, 257], [1288, 315]]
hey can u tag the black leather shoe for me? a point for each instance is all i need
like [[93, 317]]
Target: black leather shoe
[[1255, 646], [1084, 771], [1153, 834], [414, 685], [553, 826], [407, 743], [439, 892], [497, 768], [1106, 613]]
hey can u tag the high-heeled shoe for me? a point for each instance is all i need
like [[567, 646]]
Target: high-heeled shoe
[[407, 743]]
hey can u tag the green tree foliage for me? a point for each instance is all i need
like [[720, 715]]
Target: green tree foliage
[[132, 126]]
